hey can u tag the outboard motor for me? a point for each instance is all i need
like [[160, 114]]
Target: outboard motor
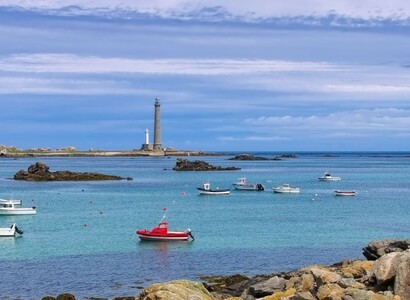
[[19, 231], [190, 234], [260, 187]]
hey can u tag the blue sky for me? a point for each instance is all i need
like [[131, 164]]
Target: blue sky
[[310, 75]]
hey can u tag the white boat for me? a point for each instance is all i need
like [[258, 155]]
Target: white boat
[[10, 231], [205, 189], [12, 207], [242, 185], [345, 193], [328, 177], [286, 189]]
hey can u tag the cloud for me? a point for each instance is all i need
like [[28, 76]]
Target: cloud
[[31, 85], [375, 120], [70, 74], [69, 63], [346, 13]]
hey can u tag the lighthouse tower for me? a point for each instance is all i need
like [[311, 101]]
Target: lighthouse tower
[[157, 126]]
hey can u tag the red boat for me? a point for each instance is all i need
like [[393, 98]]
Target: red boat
[[161, 233]]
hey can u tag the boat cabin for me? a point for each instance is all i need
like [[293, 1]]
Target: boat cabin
[[162, 228], [206, 186]]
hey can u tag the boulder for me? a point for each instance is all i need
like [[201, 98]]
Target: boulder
[[267, 287], [232, 285], [402, 279], [384, 269], [308, 282], [38, 168], [323, 276], [176, 290], [280, 295], [330, 292], [357, 268], [65, 296], [377, 249], [302, 296]]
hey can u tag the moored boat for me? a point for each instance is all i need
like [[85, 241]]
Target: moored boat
[[10, 231], [242, 185], [12, 207], [160, 233], [205, 189], [345, 193], [286, 189], [328, 177]]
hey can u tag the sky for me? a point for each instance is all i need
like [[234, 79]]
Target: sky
[[261, 75]]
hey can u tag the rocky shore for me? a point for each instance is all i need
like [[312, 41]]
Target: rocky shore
[[40, 172], [70, 151], [383, 275]]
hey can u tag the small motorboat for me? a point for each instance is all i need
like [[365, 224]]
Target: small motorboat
[[345, 193], [161, 233], [205, 189], [10, 231], [242, 185], [12, 207], [328, 177], [286, 189]]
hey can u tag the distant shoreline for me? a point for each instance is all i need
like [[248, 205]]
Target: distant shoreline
[[133, 153], [174, 152]]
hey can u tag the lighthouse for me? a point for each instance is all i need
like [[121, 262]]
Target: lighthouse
[[157, 125], [157, 145]]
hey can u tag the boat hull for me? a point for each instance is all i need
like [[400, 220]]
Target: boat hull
[[345, 193], [17, 211], [10, 231], [7, 232], [249, 187], [291, 191], [145, 235], [162, 238], [329, 179], [213, 192]]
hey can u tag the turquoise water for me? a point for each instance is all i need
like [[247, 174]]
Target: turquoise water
[[83, 239]]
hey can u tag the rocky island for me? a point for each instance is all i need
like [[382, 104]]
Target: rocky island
[[198, 165], [40, 172]]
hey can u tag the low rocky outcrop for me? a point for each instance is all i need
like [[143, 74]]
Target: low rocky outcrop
[[288, 155], [198, 165], [40, 172], [250, 157]]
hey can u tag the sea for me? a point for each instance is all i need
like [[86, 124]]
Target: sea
[[83, 238]]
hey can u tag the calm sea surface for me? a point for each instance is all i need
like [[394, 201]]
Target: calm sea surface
[[83, 239]]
